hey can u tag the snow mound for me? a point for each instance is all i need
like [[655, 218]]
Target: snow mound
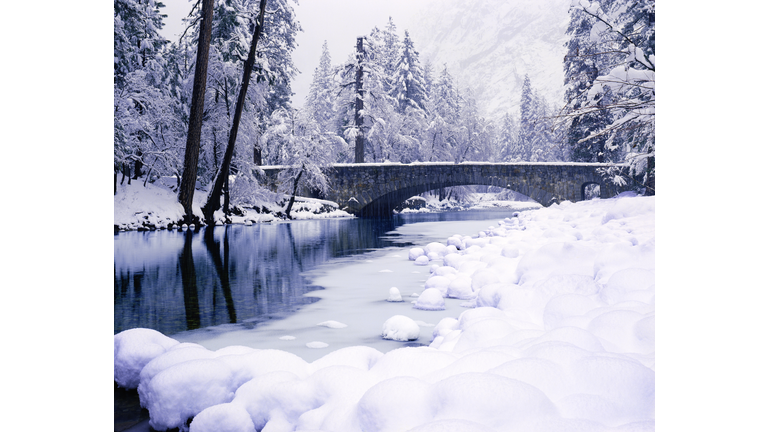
[[135, 348], [400, 328], [394, 295], [332, 324], [431, 299]]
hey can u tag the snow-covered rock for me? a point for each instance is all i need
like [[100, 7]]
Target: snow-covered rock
[[430, 299], [394, 295], [400, 328]]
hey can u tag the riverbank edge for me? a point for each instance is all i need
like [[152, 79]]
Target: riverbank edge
[[140, 206]]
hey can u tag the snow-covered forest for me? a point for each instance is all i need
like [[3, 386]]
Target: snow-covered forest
[[381, 103]]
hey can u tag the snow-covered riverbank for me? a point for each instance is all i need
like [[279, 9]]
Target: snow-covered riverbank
[[555, 332], [155, 206]]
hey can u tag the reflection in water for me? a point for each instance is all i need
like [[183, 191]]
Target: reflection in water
[[222, 270], [189, 283], [175, 281]]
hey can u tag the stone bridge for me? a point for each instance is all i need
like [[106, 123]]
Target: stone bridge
[[374, 190]]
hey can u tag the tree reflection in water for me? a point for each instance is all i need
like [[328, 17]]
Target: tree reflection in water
[[175, 281]]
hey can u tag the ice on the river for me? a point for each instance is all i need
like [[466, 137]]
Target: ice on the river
[[560, 336], [332, 324]]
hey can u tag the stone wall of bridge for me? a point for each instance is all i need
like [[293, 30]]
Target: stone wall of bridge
[[376, 189]]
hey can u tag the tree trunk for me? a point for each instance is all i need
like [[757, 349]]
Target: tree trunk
[[257, 155], [293, 197], [650, 177], [226, 198], [192, 151], [214, 197], [137, 166], [359, 143]]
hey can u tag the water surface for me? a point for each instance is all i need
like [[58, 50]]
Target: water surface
[[175, 281]]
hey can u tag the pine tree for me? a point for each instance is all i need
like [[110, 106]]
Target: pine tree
[[528, 115], [583, 63], [507, 139], [192, 150], [319, 102], [222, 177], [137, 41], [409, 85], [624, 32], [389, 53], [140, 100], [441, 135]]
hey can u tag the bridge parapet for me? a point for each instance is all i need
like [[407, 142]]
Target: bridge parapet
[[375, 189]]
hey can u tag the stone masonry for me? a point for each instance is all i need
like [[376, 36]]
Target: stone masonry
[[373, 190]]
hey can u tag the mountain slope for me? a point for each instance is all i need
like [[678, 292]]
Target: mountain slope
[[489, 45]]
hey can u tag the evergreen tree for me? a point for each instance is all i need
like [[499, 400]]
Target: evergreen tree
[[507, 139], [409, 85], [583, 63], [192, 149], [528, 116], [137, 41], [389, 53], [441, 134], [319, 102], [141, 103], [624, 32], [222, 177]]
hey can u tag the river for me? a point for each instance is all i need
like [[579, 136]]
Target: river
[[253, 285], [270, 285]]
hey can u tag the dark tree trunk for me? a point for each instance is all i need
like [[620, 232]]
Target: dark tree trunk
[[214, 197], [189, 283], [293, 197], [359, 142], [137, 166], [226, 198], [257, 155], [650, 177], [192, 151]]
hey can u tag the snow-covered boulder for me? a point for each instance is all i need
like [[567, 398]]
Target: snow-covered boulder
[[414, 253], [394, 295], [135, 348], [400, 328], [430, 299]]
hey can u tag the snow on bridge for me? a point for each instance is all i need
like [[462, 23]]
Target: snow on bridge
[[373, 190]]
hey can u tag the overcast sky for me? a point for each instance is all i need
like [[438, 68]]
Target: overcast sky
[[337, 21]]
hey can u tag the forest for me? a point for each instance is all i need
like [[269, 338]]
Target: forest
[[383, 103]]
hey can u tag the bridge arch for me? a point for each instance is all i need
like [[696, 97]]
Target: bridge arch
[[374, 190], [384, 204]]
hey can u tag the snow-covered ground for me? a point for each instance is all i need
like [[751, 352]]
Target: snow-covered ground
[[544, 322], [476, 201], [155, 206]]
